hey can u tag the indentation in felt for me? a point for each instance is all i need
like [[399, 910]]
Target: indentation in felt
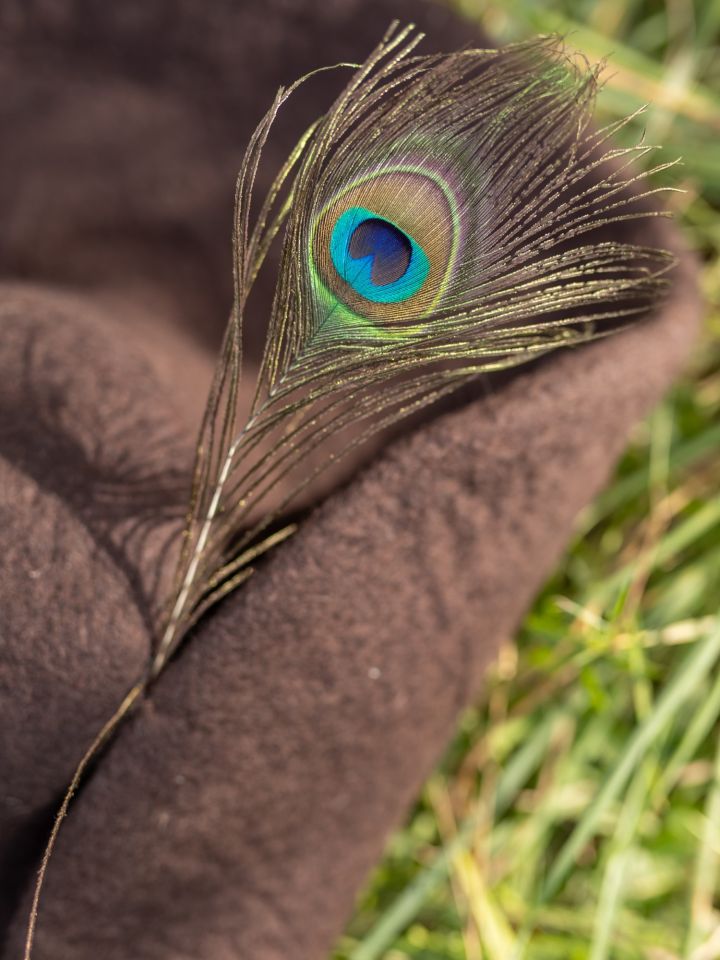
[[92, 484]]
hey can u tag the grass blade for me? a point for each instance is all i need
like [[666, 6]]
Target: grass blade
[[678, 691]]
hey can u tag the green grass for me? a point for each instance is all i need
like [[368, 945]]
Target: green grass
[[577, 814]]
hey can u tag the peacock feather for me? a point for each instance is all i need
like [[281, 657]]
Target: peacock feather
[[443, 219], [434, 225]]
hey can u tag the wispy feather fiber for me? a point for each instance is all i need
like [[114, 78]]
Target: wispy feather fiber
[[507, 134]]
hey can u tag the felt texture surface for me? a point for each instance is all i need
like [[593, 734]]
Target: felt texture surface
[[241, 807]]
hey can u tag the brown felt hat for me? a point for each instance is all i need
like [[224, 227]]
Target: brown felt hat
[[240, 808]]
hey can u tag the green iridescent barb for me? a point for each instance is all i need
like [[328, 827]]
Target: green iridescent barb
[[436, 223]]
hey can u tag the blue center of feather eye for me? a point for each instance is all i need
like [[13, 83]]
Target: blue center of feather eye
[[376, 258], [389, 248]]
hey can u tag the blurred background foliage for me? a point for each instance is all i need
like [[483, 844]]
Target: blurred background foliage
[[577, 814]]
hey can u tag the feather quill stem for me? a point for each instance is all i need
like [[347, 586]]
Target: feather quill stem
[[518, 121]]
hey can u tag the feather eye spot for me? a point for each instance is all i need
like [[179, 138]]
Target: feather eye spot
[[377, 259], [383, 248]]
